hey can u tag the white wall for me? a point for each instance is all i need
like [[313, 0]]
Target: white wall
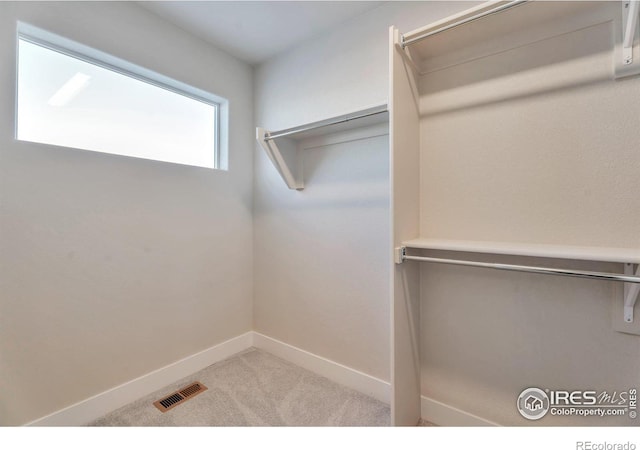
[[487, 335], [111, 267], [321, 255], [533, 145]]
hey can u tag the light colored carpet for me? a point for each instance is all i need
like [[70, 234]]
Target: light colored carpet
[[255, 388], [424, 423]]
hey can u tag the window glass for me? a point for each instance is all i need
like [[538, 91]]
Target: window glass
[[67, 101]]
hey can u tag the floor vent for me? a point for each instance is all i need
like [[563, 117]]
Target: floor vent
[[180, 396]]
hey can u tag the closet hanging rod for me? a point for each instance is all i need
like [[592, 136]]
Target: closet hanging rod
[[325, 123], [530, 269], [464, 21]]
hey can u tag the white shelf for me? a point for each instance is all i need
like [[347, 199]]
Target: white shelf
[[513, 28], [605, 254], [283, 146]]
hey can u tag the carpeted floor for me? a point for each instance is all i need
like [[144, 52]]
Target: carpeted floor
[[424, 423], [255, 388]]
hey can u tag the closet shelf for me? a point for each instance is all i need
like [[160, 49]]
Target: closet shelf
[[628, 257], [283, 146], [480, 31], [603, 254]]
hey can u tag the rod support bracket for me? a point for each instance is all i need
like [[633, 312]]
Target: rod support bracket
[[402, 43], [631, 292], [399, 254], [628, 314]]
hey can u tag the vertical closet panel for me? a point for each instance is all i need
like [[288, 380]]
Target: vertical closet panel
[[405, 179]]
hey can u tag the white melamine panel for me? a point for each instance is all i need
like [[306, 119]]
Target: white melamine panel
[[405, 175]]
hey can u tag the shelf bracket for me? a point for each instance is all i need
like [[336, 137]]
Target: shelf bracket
[[631, 9], [282, 147], [631, 291], [399, 254], [283, 155]]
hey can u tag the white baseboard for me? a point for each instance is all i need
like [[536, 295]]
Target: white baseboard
[[447, 416], [93, 408], [97, 406], [354, 379]]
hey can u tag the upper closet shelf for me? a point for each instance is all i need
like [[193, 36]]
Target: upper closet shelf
[[282, 146], [495, 27]]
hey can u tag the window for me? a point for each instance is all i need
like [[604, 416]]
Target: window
[[91, 101]]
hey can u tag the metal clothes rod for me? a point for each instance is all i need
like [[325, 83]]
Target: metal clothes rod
[[324, 123], [530, 269], [465, 21], [632, 23]]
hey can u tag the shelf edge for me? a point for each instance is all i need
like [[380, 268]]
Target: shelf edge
[[604, 254]]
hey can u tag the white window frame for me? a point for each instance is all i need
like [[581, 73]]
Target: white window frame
[[90, 55]]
